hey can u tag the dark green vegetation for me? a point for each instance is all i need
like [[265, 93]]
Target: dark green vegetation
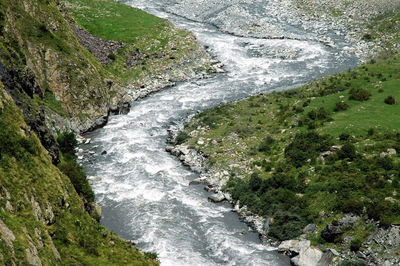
[[313, 154], [68, 165], [41, 209]]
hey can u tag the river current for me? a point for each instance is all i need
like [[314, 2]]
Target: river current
[[144, 191]]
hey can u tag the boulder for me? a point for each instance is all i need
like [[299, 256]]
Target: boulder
[[327, 257], [331, 232], [349, 220], [169, 148], [218, 197], [310, 228], [197, 181], [310, 256], [293, 247], [295, 260]]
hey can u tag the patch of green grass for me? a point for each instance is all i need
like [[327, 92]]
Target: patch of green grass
[[111, 20], [55, 105]]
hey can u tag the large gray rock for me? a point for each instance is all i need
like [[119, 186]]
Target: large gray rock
[[293, 247], [7, 235], [310, 256], [218, 197], [328, 257], [310, 228]]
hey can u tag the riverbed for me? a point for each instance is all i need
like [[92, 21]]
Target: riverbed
[[143, 190]]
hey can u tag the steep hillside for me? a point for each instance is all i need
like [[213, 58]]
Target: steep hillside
[[42, 218], [57, 76]]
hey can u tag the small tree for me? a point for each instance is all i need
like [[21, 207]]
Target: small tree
[[347, 151], [341, 106], [359, 94], [390, 100]]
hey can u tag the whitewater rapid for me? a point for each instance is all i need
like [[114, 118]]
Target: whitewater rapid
[[144, 191]]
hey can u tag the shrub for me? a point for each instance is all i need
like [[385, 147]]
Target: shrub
[[385, 162], [112, 57], [355, 244], [351, 206], [265, 146], [67, 142], [344, 137], [371, 131], [255, 182], [322, 114], [341, 106], [306, 146], [359, 94], [209, 120], [312, 115], [151, 255], [390, 100], [348, 150], [78, 179], [287, 225], [181, 137]]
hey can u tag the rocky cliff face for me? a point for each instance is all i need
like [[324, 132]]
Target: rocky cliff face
[[47, 72], [42, 218]]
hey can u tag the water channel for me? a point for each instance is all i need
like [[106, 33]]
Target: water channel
[[144, 191]]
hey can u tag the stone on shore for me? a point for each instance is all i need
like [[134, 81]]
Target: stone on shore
[[218, 197]]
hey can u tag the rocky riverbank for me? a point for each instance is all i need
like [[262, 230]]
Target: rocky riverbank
[[328, 22], [380, 247]]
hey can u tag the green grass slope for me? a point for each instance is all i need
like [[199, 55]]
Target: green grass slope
[[313, 154], [153, 46], [42, 218]]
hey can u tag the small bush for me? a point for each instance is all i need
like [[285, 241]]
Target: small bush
[[341, 106], [67, 142], [390, 100], [359, 94], [371, 131], [151, 255], [78, 179], [344, 137], [355, 244], [351, 206], [322, 114], [287, 226], [181, 137], [265, 146], [255, 182], [306, 146], [312, 115], [348, 150]]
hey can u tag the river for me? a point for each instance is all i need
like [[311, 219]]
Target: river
[[144, 191]]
